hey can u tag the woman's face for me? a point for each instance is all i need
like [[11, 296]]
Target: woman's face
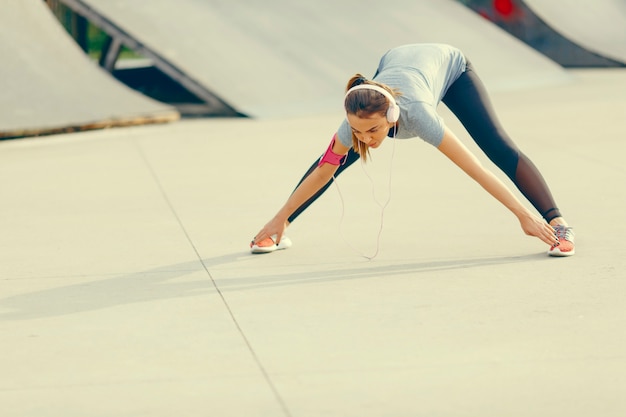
[[370, 130]]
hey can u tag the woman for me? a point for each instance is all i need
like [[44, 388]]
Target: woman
[[401, 102]]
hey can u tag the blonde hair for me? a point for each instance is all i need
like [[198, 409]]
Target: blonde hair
[[364, 103]]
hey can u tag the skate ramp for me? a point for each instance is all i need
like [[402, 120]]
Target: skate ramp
[[281, 58], [598, 26], [51, 86]]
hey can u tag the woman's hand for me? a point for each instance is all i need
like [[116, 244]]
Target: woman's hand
[[275, 227], [534, 226]]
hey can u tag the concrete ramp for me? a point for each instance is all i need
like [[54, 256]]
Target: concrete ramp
[[598, 26], [280, 58], [50, 86]]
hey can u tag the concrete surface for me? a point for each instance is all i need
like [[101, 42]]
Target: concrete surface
[[50, 85], [127, 289]]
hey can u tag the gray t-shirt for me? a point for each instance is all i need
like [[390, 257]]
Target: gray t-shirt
[[422, 73]]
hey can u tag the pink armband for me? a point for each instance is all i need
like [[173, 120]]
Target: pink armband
[[329, 156]]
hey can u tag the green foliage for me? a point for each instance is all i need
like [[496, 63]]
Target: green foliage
[[96, 39], [90, 37]]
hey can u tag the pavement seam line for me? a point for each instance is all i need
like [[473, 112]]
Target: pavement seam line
[[251, 350]]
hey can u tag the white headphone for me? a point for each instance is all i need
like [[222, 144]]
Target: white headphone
[[393, 112]]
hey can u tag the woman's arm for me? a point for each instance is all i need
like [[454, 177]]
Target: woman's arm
[[532, 225], [309, 186]]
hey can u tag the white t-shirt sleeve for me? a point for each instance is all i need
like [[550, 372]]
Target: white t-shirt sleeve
[[422, 120], [344, 133]]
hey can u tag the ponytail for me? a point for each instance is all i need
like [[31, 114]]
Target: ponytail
[[357, 79]]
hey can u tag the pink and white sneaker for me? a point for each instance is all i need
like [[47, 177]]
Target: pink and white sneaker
[[565, 247], [269, 245]]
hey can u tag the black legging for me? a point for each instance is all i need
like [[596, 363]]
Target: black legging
[[467, 98]]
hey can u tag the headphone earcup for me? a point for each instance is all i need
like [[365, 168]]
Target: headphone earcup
[[393, 113]]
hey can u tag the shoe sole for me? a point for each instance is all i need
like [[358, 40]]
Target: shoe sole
[[285, 243], [558, 254]]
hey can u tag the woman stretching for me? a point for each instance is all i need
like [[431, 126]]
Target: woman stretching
[[401, 102]]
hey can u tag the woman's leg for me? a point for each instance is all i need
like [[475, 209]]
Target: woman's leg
[[348, 160], [467, 98]]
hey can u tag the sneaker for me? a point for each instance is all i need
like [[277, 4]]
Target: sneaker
[[565, 247], [269, 245]]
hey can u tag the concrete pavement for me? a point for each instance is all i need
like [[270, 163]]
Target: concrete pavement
[[127, 289]]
